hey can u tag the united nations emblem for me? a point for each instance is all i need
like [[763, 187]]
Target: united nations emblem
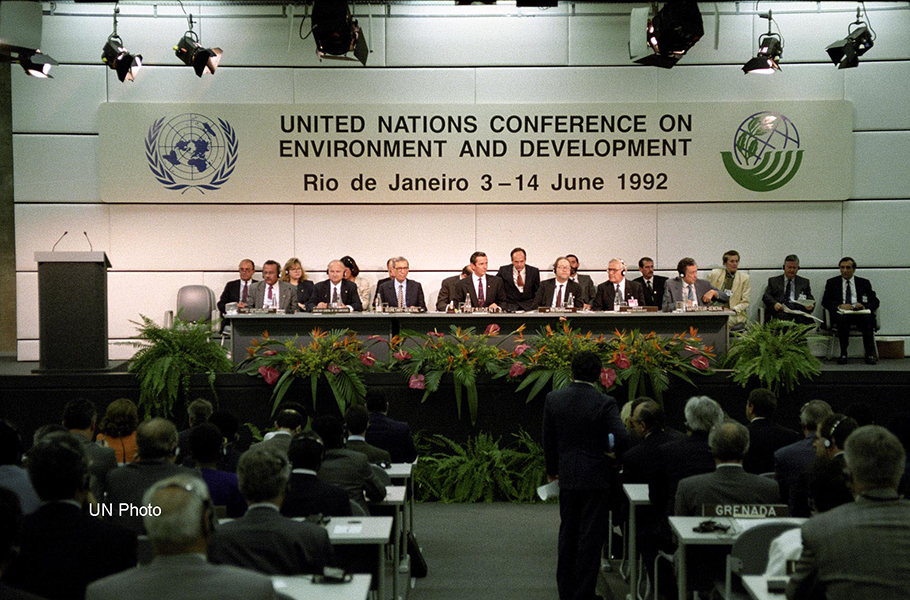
[[766, 154], [191, 151]]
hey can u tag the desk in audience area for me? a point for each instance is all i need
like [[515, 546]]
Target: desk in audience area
[[302, 587], [711, 325], [757, 587]]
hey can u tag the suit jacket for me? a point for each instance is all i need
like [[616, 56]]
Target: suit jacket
[[183, 577], [606, 292], [351, 471], [857, 550], [394, 436], [682, 458], [861, 288], [790, 463], [279, 442], [305, 290], [655, 298], [413, 294], [374, 455], [587, 288], [231, 293], [266, 541], [447, 292], [64, 549], [493, 291], [547, 290], [308, 495], [765, 438], [673, 292], [129, 482], [728, 484], [641, 462], [349, 295], [287, 296], [776, 292], [516, 300], [739, 294], [100, 462], [577, 421]]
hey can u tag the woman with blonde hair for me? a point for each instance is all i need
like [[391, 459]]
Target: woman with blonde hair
[[294, 274], [118, 429]]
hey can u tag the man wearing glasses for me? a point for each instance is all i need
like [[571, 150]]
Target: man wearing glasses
[[401, 292], [617, 286]]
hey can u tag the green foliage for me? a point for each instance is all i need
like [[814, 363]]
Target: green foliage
[[776, 354], [166, 359], [255, 432]]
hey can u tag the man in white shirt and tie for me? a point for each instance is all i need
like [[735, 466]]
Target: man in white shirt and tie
[[335, 291], [688, 288], [555, 292], [400, 291], [484, 291], [617, 285], [846, 299], [652, 285], [238, 290], [271, 293]]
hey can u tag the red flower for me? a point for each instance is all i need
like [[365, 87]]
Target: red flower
[[607, 377], [436, 334], [517, 369], [692, 349], [520, 349], [492, 329], [368, 358], [402, 355], [622, 361], [270, 374], [416, 382], [270, 353], [333, 369], [701, 363]]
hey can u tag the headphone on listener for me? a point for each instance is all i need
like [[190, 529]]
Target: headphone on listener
[[830, 435], [209, 518]]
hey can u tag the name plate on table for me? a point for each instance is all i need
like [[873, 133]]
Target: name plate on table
[[624, 309], [745, 511], [408, 310], [261, 311], [549, 309], [481, 310], [333, 311]]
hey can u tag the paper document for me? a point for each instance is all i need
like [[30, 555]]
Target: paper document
[[864, 311], [804, 302], [550, 490], [789, 310], [349, 529]]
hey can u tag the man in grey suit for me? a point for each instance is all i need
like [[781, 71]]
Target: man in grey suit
[[271, 293], [729, 483], [357, 419], [346, 468], [288, 423], [791, 463], [180, 528], [785, 290], [860, 549], [688, 288], [263, 539], [584, 281]]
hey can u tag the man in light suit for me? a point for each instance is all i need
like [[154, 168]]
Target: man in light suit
[[791, 463], [689, 289], [785, 290], [652, 285], [447, 291], [848, 293], [238, 289], [180, 530], [336, 290], [520, 281], [411, 292], [585, 281], [739, 284], [578, 421], [263, 539], [484, 291], [604, 298], [860, 549], [272, 293], [555, 292], [729, 483]]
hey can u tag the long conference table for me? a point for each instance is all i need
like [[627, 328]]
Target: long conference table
[[711, 325]]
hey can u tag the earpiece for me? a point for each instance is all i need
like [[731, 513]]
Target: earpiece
[[830, 435]]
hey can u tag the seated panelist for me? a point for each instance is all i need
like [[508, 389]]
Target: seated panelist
[[335, 291], [689, 289], [617, 283], [555, 292], [400, 291], [270, 292], [294, 274], [482, 289]]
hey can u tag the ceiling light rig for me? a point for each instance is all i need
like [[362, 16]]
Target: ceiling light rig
[[336, 32], [20, 37], [193, 54], [118, 58], [665, 38], [37, 65], [845, 53], [770, 49]]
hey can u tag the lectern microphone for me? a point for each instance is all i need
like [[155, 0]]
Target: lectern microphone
[[90, 247], [58, 241]]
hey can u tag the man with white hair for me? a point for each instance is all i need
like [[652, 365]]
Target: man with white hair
[[617, 286], [180, 523]]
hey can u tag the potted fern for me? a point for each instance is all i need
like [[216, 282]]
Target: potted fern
[[776, 354]]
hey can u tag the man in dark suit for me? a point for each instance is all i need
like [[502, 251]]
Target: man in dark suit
[[263, 539], [335, 291], [390, 268], [483, 291], [555, 292], [520, 281], [844, 295], [765, 436], [652, 285], [792, 462], [401, 291], [641, 461], [860, 549], [831, 437], [357, 419], [197, 412], [689, 289], [346, 468], [447, 291], [272, 293], [787, 291], [307, 494], [387, 433], [578, 421], [604, 298], [238, 289], [63, 548], [80, 417], [584, 281], [288, 423]]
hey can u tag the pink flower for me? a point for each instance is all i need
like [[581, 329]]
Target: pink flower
[[517, 369], [701, 363], [520, 349], [402, 355], [607, 377], [270, 353], [492, 329], [436, 334], [270, 374], [333, 369], [622, 361], [416, 382], [692, 349], [376, 337], [368, 358]]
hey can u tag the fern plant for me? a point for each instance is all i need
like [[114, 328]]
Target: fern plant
[[775, 354], [166, 359]]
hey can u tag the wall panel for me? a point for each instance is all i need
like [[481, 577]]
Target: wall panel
[[878, 91], [228, 85], [39, 226], [388, 86], [880, 165], [870, 234], [68, 103], [565, 85], [55, 168]]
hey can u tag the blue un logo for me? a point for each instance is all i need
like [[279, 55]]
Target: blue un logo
[[191, 151]]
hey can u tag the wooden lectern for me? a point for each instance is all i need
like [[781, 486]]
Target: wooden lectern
[[72, 311]]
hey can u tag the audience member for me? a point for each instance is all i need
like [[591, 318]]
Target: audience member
[[118, 429], [10, 536], [765, 436], [80, 418], [12, 476], [357, 419], [738, 284], [640, 463], [387, 433], [791, 462], [197, 412], [264, 540], [180, 527], [307, 494], [520, 281], [207, 445], [346, 468], [46, 430], [447, 290], [288, 423], [230, 431], [831, 435]]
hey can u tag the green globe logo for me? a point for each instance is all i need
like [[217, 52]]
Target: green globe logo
[[766, 154]]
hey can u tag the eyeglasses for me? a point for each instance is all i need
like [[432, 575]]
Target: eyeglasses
[[614, 270]]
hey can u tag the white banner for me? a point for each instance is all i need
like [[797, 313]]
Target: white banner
[[643, 152]]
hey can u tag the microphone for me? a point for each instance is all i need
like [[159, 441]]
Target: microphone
[[90, 248], [58, 241]]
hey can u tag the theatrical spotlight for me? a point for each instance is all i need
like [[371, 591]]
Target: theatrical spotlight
[[20, 37], [770, 49], [118, 58], [336, 33], [845, 53], [191, 53], [37, 64], [663, 39]]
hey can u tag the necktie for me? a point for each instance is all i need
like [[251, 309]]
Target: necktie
[[618, 293], [559, 297], [334, 295], [692, 293], [400, 296], [243, 294], [849, 294], [788, 294], [269, 302], [480, 297], [519, 281], [650, 287]]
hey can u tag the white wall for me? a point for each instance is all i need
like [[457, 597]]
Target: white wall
[[423, 54]]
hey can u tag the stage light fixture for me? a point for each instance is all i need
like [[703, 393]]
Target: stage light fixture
[[336, 33], [20, 37], [770, 49], [118, 58], [663, 39], [37, 64], [193, 54], [845, 53]]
